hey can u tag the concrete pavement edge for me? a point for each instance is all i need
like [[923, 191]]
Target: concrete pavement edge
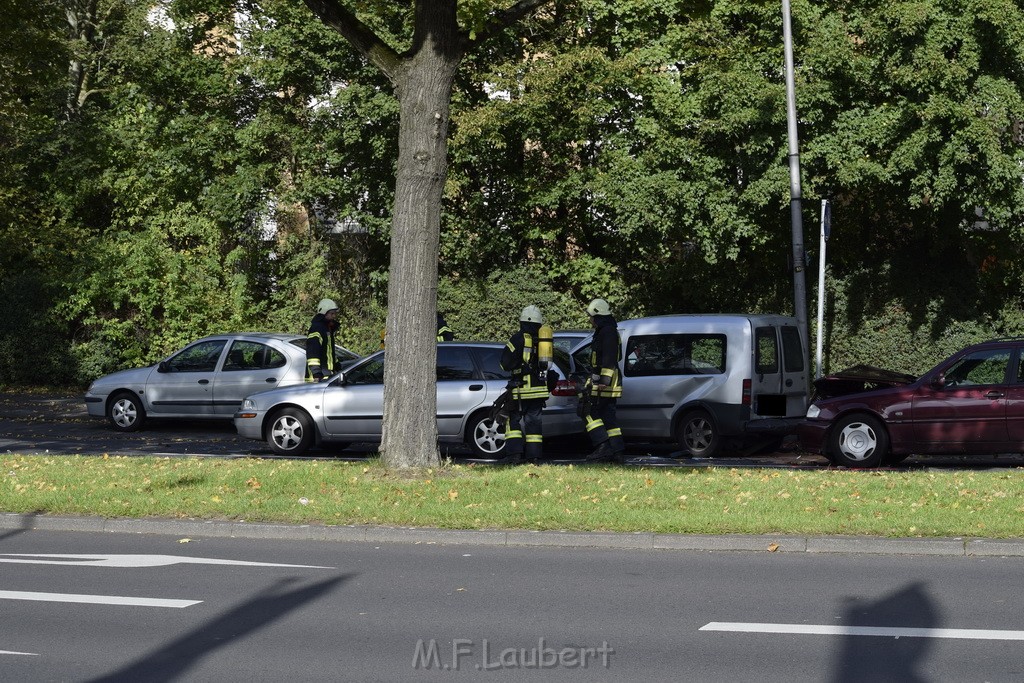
[[783, 543]]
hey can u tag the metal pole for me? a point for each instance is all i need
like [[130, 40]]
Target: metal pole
[[799, 284], [821, 293]]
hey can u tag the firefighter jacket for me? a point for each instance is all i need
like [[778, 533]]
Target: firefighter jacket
[[444, 333], [320, 348], [605, 351], [520, 359]]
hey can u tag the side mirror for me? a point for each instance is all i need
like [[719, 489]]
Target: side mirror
[[939, 381], [163, 367]]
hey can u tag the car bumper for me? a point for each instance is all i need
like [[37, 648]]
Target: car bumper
[[249, 423], [95, 405], [812, 434]]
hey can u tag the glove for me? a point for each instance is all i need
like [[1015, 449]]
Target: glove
[[595, 379]]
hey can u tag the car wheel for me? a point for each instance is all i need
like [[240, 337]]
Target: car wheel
[[290, 432], [485, 436], [858, 441], [125, 412], [698, 435]]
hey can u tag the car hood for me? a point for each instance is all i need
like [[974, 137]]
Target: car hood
[[291, 392], [125, 377], [857, 379]]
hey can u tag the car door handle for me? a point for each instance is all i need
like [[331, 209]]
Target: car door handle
[[271, 380], [476, 387], [994, 395], [204, 381]]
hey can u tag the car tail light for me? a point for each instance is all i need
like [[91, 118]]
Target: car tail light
[[746, 392], [564, 387]]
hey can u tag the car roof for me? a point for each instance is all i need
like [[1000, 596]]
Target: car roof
[[283, 336]]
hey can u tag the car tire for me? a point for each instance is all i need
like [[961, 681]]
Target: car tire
[[698, 435], [485, 437], [858, 441], [290, 432], [125, 412]]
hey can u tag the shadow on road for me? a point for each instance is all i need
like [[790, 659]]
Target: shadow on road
[[876, 658], [173, 661]]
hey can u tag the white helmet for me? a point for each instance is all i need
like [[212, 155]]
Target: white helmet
[[326, 305], [531, 314], [599, 307]]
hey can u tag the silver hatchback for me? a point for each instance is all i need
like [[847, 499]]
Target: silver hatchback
[[349, 408], [206, 379]]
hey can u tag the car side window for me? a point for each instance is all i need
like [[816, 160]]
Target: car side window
[[454, 363], [201, 357], [675, 354], [490, 363], [370, 372], [988, 366], [250, 355]]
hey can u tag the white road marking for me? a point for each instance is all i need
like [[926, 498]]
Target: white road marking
[[135, 561], [11, 652], [96, 599], [883, 631]]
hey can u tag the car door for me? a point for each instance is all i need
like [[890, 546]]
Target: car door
[[183, 384], [248, 367], [459, 389], [1015, 402], [967, 413], [354, 408]]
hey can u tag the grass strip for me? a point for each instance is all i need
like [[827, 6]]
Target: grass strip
[[923, 503]]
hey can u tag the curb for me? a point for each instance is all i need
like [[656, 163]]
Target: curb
[[781, 543]]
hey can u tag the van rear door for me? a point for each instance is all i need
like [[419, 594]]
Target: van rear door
[[779, 384]]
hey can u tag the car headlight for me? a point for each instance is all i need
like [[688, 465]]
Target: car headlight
[[813, 411], [248, 404]]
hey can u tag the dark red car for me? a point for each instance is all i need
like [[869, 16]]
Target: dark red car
[[972, 402]]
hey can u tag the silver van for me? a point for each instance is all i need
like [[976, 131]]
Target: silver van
[[710, 382]]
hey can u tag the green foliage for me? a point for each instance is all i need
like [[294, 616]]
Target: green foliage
[[488, 308], [33, 341], [634, 150]]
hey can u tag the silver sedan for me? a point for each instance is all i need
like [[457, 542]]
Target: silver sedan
[[349, 407], [206, 379]]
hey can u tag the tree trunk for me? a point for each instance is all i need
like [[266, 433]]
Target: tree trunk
[[410, 380]]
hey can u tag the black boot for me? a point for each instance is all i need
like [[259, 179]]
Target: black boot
[[603, 453]]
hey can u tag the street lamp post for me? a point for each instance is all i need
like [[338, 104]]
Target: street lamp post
[[799, 261]]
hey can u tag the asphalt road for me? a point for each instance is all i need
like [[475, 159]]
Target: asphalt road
[[33, 424], [81, 606]]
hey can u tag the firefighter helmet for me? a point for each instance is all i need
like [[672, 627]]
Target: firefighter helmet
[[326, 305], [599, 307], [531, 314]]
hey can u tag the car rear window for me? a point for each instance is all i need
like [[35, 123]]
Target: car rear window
[[675, 354]]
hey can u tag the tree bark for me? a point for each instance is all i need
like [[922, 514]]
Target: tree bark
[[424, 86]]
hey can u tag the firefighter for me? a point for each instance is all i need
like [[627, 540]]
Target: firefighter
[[605, 385], [444, 333], [320, 342], [523, 437]]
